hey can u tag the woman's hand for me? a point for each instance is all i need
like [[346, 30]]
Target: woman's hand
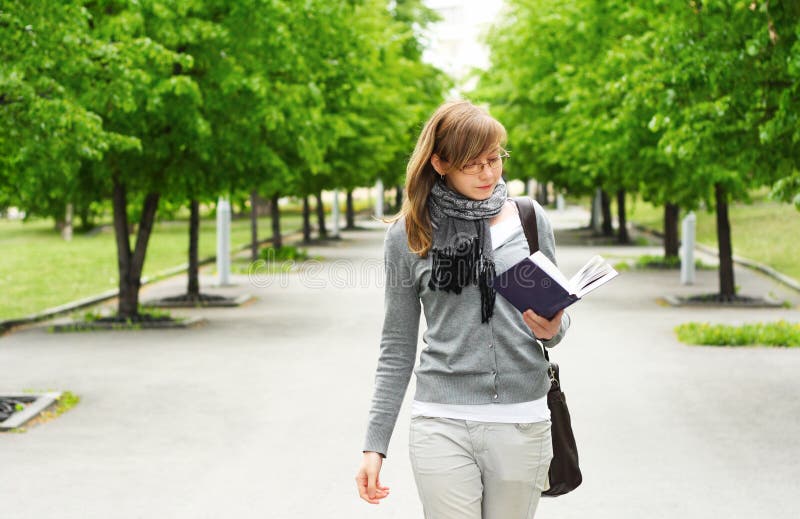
[[541, 327], [368, 479]]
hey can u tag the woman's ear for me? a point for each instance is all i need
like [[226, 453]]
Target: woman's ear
[[438, 164]]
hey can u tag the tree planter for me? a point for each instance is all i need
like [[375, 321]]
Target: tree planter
[[202, 301], [116, 323], [716, 300], [31, 406]]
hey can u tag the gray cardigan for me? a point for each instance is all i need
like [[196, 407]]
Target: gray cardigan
[[465, 361]]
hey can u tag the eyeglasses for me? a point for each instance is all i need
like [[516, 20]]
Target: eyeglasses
[[494, 163]]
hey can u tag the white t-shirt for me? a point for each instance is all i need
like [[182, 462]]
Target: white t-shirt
[[523, 412]]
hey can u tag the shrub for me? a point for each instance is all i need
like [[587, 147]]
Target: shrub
[[665, 262], [780, 333], [285, 253]]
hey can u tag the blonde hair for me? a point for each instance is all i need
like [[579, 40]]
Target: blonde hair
[[458, 132]]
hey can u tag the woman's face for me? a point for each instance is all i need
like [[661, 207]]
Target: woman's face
[[478, 186]]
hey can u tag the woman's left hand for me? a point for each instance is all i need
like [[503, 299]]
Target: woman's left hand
[[542, 328]]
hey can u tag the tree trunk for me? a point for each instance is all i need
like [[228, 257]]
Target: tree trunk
[[671, 214], [129, 263], [398, 198], [127, 304], [306, 220], [605, 208], [253, 225], [727, 289], [323, 232], [351, 214], [84, 215], [622, 231], [193, 286], [275, 216]]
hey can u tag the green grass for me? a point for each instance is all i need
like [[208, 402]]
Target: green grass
[[39, 270], [779, 333], [765, 231]]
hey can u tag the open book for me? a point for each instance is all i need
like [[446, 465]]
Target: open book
[[536, 283]]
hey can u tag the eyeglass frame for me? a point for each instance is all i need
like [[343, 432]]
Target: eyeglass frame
[[501, 159]]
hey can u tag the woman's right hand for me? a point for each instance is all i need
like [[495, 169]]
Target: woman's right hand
[[368, 478]]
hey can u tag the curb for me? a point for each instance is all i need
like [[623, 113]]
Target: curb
[[7, 325], [745, 262]]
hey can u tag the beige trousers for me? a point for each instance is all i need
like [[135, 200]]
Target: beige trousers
[[479, 470]]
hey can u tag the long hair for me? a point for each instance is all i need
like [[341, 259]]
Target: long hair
[[458, 132]]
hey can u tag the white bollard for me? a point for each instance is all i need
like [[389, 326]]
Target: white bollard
[[687, 249], [223, 241], [560, 202], [597, 211], [531, 188], [335, 213], [66, 232], [379, 198]]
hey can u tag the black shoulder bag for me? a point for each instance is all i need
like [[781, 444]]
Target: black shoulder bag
[[564, 474]]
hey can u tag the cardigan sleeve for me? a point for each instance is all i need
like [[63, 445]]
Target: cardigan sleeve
[[398, 344]]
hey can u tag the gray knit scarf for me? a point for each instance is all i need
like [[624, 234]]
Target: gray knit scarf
[[462, 244]]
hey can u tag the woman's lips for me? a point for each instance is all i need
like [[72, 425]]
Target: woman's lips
[[485, 187]]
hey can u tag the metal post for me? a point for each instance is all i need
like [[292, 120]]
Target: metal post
[[335, 213], [223, 241], [687, 249], [379, 198]]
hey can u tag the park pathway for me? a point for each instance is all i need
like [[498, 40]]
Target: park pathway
[[261, 412]]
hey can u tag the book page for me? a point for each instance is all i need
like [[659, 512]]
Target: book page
[[596, 272], [585, 273], [541, 261], [598, 282], [600, 277]]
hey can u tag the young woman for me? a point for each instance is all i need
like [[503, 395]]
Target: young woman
[[479, 441]]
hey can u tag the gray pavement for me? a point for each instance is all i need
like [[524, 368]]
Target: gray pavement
[[261, 412]]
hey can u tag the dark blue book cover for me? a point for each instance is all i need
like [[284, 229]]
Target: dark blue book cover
[[525, 285]]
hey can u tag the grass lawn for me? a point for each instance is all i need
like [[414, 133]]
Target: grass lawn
[[766, 231], [39, 270]]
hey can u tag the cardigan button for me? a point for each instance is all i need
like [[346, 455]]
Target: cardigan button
[[495, 395]]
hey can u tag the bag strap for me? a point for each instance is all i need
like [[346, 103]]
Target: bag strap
[[527, 215]]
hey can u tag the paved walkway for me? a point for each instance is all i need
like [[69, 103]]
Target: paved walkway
[[261, 413]]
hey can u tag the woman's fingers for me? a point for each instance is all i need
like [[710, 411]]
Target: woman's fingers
[[540, 326], [379, 486], [361, 485], [362, 491], [369, 488]]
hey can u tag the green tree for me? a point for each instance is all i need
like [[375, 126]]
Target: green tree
[[687, 103], [47, 59]]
